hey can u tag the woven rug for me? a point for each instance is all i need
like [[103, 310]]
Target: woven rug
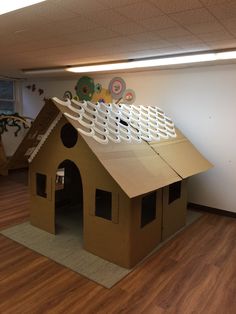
[[66, 249]]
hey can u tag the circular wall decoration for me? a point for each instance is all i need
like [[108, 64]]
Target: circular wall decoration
[[117, 87], [67, 95], [129, 96], [85, 88], [69, 135], [98, 88], [104, 96]]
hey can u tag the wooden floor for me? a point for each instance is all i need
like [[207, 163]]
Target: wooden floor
[[193, 273]]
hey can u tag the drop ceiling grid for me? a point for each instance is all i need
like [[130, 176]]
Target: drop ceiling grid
[[78, 30]]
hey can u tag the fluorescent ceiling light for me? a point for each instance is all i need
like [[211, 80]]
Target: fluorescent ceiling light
[[155, 62], [12, 5], [142, 63], [45, 71]]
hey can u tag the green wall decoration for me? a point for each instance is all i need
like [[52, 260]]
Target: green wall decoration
[[85, 88]]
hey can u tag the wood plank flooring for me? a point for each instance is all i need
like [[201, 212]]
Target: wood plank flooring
[[193, 273]]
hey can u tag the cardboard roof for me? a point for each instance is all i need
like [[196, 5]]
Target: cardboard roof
[[143, 167], [118, 122]]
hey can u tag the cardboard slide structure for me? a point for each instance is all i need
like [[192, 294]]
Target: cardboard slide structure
[[3, 159], [125, 169]]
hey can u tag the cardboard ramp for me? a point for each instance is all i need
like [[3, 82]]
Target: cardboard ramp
[[38, 128], [3, 159]]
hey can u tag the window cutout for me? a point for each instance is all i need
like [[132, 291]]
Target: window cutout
[[103, 204], [174, 191], [7, 97], [69, 135], [148, 210], [41, 184]]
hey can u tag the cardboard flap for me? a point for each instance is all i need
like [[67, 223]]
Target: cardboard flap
[[183, 157], [135, 167]]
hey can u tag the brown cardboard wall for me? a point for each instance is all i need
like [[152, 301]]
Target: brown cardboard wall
[[108, 239], [144, 239], [174, 214]]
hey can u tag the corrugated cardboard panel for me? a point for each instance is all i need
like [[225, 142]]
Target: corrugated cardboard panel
[[183, 157], [174, 213]]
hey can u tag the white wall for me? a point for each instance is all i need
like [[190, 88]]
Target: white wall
[[201, 101]]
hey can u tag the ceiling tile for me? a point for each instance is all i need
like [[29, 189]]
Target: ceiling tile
[[107, 17], [224, 11], [229, 24], [190, 39], [157, 23], [215, 2], [127, 28], [139, 11], [205, 28], [187, 48], [217, 36], [53, 12], [145, 37], [161, 43], [90, 35], [173, 32], [177, 5], [81, 6], [78, 24], [193, 17], [118, 3]]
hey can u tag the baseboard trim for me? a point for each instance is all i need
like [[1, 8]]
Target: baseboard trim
[[212, 210]]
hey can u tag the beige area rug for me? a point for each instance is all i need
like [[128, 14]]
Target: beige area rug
[[66, 249]]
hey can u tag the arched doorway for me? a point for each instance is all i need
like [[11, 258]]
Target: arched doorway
[[69, 199]]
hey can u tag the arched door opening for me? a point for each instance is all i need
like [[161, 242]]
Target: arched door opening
[[69, 200]]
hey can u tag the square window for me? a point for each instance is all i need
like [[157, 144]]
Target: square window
[[148, 210], [103, 204], [41, 184], [7, 97], [174, 191]]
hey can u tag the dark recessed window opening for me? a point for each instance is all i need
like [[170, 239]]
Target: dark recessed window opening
[[41, 184], [148, 210], [123, 122], [103, 204], [69, 135], [174, 191]]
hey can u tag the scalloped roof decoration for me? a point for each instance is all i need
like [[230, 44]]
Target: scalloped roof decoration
[[117, 123]]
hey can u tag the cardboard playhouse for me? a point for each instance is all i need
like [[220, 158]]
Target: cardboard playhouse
[[123, 167]]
